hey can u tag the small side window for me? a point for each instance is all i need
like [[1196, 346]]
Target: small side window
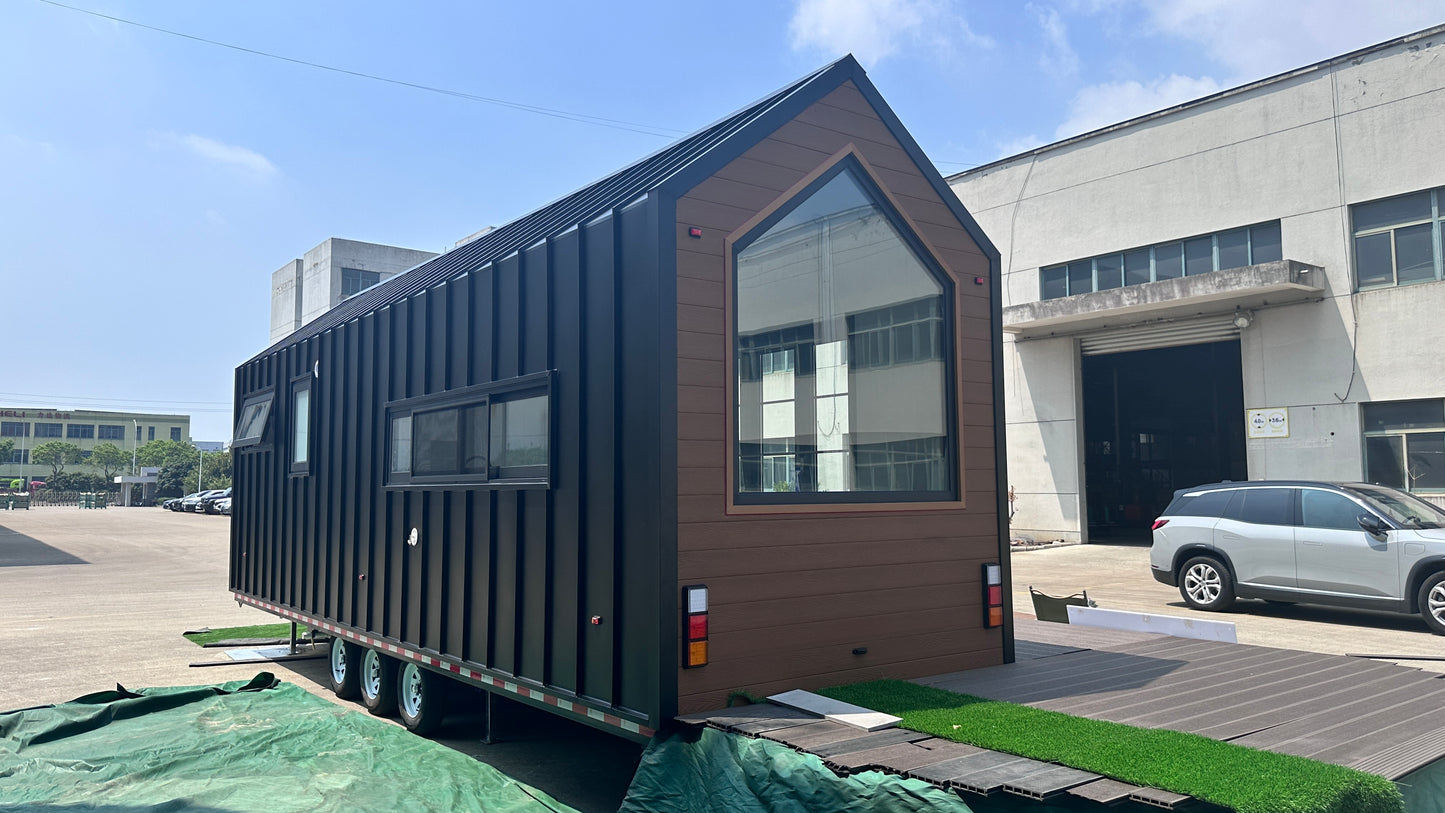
[[301, 425], [251, 425], [498, 433]]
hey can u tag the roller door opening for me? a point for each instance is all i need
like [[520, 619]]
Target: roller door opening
[[1155, 421]]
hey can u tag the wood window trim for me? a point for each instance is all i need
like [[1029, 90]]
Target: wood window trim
[[730, 244]]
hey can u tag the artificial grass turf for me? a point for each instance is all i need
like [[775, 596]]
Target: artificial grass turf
[[282, 630], [1245, 779]]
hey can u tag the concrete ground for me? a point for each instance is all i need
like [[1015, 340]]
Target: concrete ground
[[1117, 577], [92, 598]]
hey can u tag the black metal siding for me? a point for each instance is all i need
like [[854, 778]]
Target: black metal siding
[[505, 579]]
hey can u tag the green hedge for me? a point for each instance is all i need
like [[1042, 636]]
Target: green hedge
[[1245, 779]]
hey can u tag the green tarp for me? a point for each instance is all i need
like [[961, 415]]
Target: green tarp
[[694, 770], [257, 746]]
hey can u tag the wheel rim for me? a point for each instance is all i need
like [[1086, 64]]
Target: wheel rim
[[1435, 602], [371, 674], [338, 662], [1201, 582], [411, 697]]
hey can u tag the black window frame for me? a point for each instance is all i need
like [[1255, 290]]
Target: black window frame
[[80, 431], [299, 384], [952, 445], [110, 431], [266, 396], [459, 400], [49, 430], [14, 429]]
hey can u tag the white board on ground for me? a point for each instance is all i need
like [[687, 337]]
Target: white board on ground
[[836, 710], [1179, 627]]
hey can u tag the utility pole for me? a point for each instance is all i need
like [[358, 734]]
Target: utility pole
[[133, 444], [199, 464]]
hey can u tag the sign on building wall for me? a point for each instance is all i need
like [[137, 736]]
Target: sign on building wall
[[1271, 422]]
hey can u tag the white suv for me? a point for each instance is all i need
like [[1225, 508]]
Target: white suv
[[1346, 544]]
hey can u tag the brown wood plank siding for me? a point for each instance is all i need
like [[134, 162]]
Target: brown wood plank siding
[[793, 595]]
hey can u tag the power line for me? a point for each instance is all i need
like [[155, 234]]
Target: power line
[[582, 118]]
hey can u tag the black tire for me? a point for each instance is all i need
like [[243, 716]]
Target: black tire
[[1206, 584], [1432, 602], [420, 699], [377, 681], [344, 676]]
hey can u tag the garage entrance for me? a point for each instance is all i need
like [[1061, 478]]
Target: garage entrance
[[1155, 421]]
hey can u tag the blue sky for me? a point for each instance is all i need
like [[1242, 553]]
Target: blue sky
[[151, 182]]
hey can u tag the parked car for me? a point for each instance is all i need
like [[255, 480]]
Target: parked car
[[174, 503], [189, 504], [223, 506], [1345, 544], [207, 504]]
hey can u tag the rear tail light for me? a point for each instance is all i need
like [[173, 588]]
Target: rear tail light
[[694, 609], [1159, 523], [992, 595]]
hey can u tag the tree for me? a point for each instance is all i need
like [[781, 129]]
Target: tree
[[57, 455], [110, 459], [7, 450], [176, 461]]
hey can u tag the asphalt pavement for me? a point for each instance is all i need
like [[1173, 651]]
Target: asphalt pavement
[[95, 598], [1117, 577]]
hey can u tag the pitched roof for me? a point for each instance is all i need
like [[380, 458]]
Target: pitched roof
[[684, 162]]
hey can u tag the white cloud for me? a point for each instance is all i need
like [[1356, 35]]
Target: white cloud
[[247, 161], [874, 30], [1021, 144], [1057, 57], [1253, 39], [1101, 105]]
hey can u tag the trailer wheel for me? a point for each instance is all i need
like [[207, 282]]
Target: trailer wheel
[[378, 683], [420, 699], [345, 672]]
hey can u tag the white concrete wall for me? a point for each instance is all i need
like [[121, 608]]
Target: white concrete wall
[[306, 288], [1300, 150]]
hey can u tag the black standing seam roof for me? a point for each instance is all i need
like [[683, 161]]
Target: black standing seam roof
[[616, 190]]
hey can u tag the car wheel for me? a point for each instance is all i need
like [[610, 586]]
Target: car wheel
[[1432, 602], [378, 683], [420, 699], [344, 677], [1205, 584]]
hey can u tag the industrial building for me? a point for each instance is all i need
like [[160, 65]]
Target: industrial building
[[334, 270], [1243, 286], [28, 427]]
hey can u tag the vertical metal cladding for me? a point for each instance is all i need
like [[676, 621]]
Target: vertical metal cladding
[[507, 579]]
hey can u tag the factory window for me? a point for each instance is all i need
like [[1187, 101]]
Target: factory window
[[175, 433], [1197, 255], [1405, 444], [838, 311], [251, 426], [80, 430], [1397, 240], [21, 456], [14, 429], [354, 281], [110, 432], [49, 430], [497, 433], [151, 434]]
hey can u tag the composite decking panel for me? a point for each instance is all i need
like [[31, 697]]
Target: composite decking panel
[[1030, 650], [1160, 798], [901, 757], [810, 735], [993, 779], [1104, 791], [1398, 759], [864, 742], [1051, 781], [951, 770]]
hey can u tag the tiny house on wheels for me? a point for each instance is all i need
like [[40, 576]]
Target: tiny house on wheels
[[726, 420]]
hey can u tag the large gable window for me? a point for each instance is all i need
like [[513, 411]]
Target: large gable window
[[840, 354]]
